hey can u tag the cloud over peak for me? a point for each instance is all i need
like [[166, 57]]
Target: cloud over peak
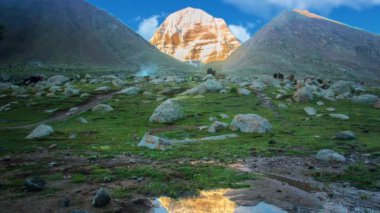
[[148, 26]]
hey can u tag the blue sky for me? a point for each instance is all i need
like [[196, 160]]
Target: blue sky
[[245, 17]]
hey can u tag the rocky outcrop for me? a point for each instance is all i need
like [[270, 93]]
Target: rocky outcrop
[[193, 35]]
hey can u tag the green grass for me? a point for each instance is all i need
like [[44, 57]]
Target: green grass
[[118, 132]]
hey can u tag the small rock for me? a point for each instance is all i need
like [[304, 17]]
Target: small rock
[[217, 126], [339, 116], [243, 91], [212, 119], [101, 198], [102, 108], [40, 131], [83, 120], [102, 89], [154, 142], [224, 116], [377, 105], [310, 111], [345, 135], [329, 155], [34, 184], [130, 91], [320, 103], [331, 109], [365, 99]]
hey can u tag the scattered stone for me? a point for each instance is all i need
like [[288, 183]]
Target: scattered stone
[[130, 91], [217, 126], [339, 116], [34, 184], [154, 142], [5, 107], [102, 89], [211, 85], [168, 112], [243, 91], [345, 135], [212, 119], [57, 80], [102, 108], [365, 99], [70, 91], [310, 111], [207, 77], [304, 94], [341, 87], [224, 116], [40, 131], [250, 123], [101, 198], [83, 120], [282, 106], [73, 136], [330, 156], [331, 109], [320, 103], [201, 128]]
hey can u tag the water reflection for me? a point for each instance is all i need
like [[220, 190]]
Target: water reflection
[[210, 202]]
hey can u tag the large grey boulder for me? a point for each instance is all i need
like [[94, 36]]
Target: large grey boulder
[[130, 91], [250, 123], [40, 131], [154, 142], [101, 198], [211, 85], [341, 87], [167, 112], [328, 155], [102, 108], [365, 99], [304, 94], [57, 80]]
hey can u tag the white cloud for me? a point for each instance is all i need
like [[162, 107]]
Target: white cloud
[[148, 26], [240, 32], [266, 8]]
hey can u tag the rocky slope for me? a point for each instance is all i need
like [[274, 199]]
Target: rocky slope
[[302, 43], [193, 35], [73, 32]]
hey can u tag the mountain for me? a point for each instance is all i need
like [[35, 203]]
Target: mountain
[[194, 35], [73, 32], [303, 43]]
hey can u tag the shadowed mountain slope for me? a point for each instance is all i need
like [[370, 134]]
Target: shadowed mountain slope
[[303, 43], [73, 32]]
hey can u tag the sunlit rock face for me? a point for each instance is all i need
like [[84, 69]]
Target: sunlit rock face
[[208, 201], [194, 35]]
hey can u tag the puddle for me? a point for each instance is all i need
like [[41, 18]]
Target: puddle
[[211, 202]]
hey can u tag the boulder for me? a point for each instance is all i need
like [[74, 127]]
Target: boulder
[[207, 77], [224, 116], [341, 87], [243, 91], [310, 111], [70, 91], [101, 198], [304, 94], [217, 126], [250, 123], [345, 135], [154, 142], [168, 112], [130, 91], [328, 155], [102, 108], [257, 86], [365, 99], [57, 80], [40, 131], [211, 85], [339, 116]]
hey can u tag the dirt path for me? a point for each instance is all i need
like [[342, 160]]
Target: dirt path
[[62, 115]]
